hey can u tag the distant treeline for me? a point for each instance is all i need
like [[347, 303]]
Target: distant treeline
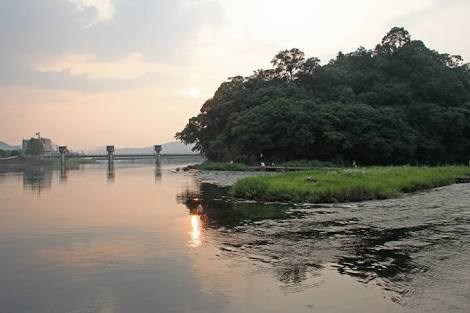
[[5, 154], [400, 102]]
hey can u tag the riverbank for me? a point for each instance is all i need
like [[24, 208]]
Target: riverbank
[[241, 167], [225, 178], [346, 185]]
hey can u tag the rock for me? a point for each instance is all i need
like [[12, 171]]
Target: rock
[[311, 180], [190, 168], [463, 180]]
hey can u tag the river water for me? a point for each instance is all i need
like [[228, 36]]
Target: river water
[[146, 239]]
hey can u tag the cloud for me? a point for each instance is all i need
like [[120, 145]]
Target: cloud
[[65, 80], [202, 41], [104, 8], [34, 32]]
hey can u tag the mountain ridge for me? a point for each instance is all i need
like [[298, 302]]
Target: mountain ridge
[[7, 147]]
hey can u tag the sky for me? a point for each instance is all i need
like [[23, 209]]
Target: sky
[[89, 73]]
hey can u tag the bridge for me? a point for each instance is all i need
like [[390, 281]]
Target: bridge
[[120, 156], [111, 156]]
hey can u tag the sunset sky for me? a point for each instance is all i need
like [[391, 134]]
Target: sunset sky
[[87, 73]]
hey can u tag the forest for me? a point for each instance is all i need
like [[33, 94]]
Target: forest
[[398, 103]]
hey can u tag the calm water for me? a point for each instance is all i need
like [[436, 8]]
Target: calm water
[[142, 239]]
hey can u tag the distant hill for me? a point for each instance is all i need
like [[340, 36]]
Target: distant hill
[[174, 147], [7, 147]]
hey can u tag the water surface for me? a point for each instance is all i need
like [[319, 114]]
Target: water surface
[[146, 239]]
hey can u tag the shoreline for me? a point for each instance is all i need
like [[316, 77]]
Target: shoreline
[[224, 178]]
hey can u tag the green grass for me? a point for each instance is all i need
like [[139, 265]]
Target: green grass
[[342, 185], [221, 166]]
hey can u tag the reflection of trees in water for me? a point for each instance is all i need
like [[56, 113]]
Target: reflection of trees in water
[[210, 202], [216, 209], [296, 247], [365, 253], [373, 256], [292, 273]]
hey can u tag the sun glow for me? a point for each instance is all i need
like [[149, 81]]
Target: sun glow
[[193, 93]]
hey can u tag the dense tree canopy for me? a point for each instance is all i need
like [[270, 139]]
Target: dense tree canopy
[[398, 103]]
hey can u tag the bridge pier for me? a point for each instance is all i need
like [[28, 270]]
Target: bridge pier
[[110, 151], [62, 151], [158, 151]]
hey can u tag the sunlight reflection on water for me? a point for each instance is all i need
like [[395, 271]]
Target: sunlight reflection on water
[[195, 231]]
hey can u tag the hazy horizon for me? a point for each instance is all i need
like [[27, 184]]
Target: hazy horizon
[[88, 73]]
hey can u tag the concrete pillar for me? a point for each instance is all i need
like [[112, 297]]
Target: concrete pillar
[[62, 151], [158, 150], [110, 151]]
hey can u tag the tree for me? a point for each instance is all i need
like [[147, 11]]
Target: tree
[[452, 61], [396, 38], [288, 62]]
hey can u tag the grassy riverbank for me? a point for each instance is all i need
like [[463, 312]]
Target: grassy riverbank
[[342, 185]]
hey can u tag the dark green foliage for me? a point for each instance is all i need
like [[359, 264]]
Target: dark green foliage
[[399, 103], [5, 154], [35, 147]]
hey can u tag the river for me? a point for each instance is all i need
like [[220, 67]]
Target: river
[[146, 239]]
